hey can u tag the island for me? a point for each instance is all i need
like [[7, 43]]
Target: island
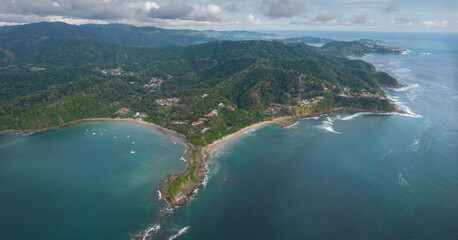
[[205, 94]]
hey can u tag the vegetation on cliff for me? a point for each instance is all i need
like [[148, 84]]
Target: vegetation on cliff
[[203, 91]]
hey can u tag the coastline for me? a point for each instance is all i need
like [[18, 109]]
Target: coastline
[[189, 188], [198, 157]]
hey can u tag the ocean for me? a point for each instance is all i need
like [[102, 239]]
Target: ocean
[[345, 175], [338, 176], [92, 180]]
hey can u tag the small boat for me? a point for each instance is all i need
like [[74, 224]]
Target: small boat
[[114, 137], [133, 142], [132, 152]]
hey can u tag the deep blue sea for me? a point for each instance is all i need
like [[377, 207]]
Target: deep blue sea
[[338, 176]]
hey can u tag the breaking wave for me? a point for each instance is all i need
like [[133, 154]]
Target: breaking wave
[[407, 51], [401, 106], [159, 195], [402, 89], [327, 125], [292, 125], [181, 232]]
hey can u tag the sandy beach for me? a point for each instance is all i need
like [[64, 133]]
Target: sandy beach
[[204, 153]]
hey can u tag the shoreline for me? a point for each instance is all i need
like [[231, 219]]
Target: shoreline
[[189, 188], [203, 153]]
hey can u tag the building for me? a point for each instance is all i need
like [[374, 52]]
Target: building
[[197, 123], [230, 108], [177, 122], [167, 101], [214, 112], [277, 106]]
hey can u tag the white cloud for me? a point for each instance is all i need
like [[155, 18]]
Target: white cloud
[[435, 23], [282, 8], [326, 17], [403, 21], [150, 5], [356, 19], [389, 9], [209, 13], [251, 20]]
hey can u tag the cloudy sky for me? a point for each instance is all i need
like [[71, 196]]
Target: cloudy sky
[[375, 15]]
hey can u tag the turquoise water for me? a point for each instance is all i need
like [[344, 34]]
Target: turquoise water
[[71, 184], [345, 175], [339, 176]]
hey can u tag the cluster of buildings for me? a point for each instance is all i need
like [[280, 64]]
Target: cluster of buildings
[[154, 83], [177, 122], [200, 121], [307, 102], [140, 115], [167, 101], [116, 72], [214, 112], [363, 93], [274, 107]]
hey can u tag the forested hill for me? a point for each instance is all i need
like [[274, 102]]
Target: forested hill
[[118, 33], [57, 81]]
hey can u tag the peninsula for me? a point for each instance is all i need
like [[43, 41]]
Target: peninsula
[[206, 93]]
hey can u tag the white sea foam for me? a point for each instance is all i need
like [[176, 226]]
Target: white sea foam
[[205, 181], [114, 137], [173, 142], [128, 136], [327, 125], [159, 194], [250, 132], [386, 154], [133, 142], [182, 159], [353, 116], [401, 106], [181, 232], [402, 182], [93, 133], [416, 143], [425, 53], [292, 125], [407, 51], [101, 134], [402, 89], [154, 229], [315, 118], [132, 152]]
